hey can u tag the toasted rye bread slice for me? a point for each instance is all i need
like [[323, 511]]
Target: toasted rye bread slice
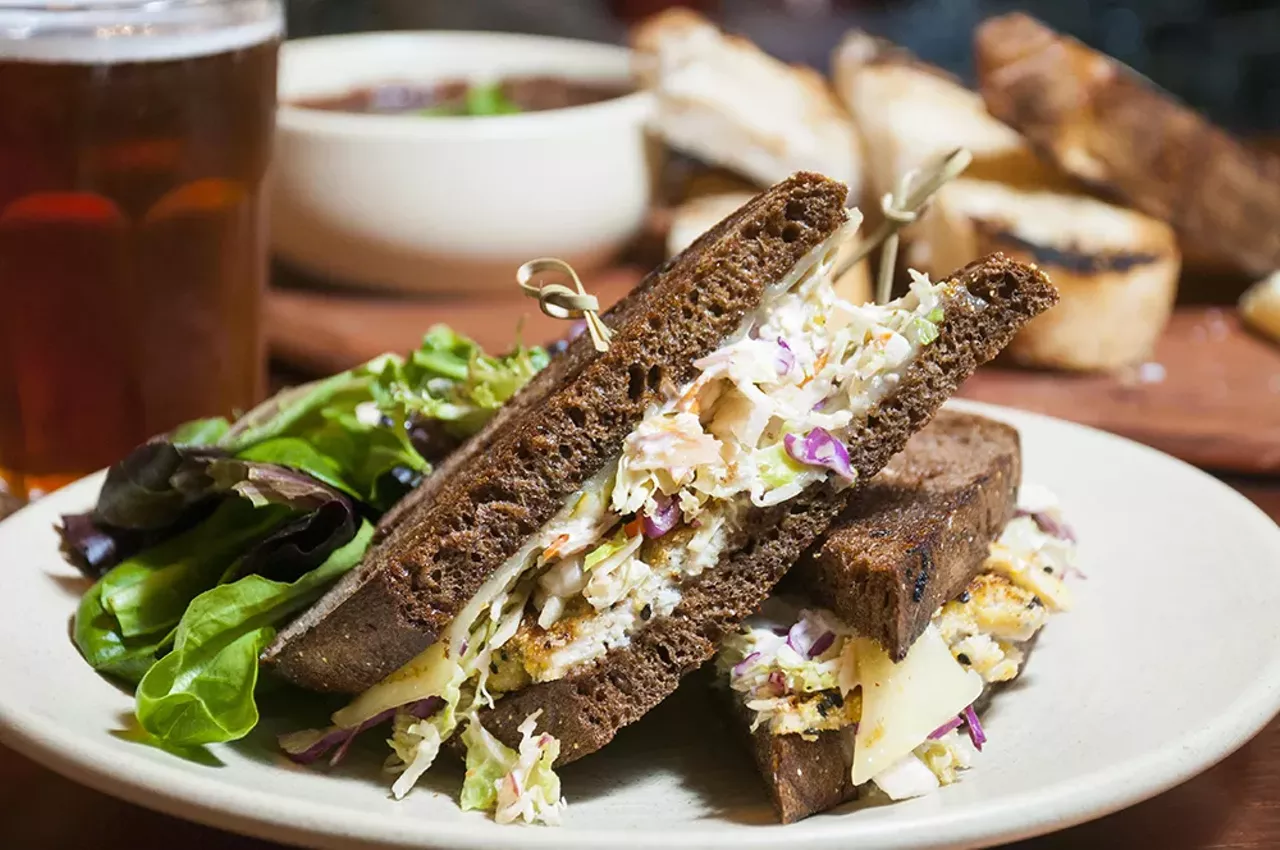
[[803, 777], [917, 535], [561, 430], [586, 709], [1102, 123]]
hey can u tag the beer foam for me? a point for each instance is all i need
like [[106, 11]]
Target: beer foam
[[93, 36]]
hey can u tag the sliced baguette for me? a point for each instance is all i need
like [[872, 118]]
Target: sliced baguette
[[696, 215], [1116, 270], [909, 112], [1106, 125], [723, 100], [1260, 306]]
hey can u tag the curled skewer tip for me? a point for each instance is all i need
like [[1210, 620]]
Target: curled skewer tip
[[560, 301]]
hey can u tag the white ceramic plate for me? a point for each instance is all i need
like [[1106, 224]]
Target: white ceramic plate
[[1170, 661]]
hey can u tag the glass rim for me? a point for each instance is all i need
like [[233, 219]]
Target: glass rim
[[109, 31], [73, 7]]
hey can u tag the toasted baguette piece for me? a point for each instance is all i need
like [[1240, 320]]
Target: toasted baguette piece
[[585, 709], [695, 216], [1116, 270], [728, 103], [1103, 123], [909, 112], [917, 535], [1260, 306], [560, 430]]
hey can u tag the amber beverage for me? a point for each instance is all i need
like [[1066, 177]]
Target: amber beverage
[[134, 139]]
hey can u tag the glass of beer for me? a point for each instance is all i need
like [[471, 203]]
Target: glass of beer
[[134, 139]]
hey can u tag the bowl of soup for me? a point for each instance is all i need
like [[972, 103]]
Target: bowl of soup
[[441, 161]]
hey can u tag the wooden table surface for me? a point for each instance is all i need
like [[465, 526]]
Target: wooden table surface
[[1234, 805]]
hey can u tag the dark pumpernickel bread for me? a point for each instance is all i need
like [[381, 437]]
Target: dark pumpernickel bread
[[293, 638], [585, 710], [915, 536], [802, 777], [563, 428]]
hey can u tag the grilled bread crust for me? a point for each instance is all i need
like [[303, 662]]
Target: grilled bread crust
[[560, 430], [586, 709], [1102, 123], [917, 535]]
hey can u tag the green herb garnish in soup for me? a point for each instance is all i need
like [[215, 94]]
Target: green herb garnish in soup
[[466, 98]]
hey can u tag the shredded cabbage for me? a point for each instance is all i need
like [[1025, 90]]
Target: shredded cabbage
[[514, 785]]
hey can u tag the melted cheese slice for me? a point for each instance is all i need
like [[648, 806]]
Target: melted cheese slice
[[428, 675], [902, 703]]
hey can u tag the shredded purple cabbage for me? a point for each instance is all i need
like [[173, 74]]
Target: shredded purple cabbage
[[976, 734], [1051, 526], [315, 749], [741, 666], [953, 723], [819, 448], [807, 642], [785, 359], [664, 518], [822, 644]]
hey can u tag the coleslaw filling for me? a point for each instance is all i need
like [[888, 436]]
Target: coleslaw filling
[[802, 671]]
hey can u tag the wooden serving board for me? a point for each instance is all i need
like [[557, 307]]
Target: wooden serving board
[[1211, 394]]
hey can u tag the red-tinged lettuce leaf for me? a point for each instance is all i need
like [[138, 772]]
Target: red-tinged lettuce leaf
[[154, 485], [197, 481], [301, 544]]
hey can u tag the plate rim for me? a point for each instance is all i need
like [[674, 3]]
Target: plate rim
[[213, 802]]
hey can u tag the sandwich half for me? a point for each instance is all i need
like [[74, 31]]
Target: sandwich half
[[632, 507], [928, 589]]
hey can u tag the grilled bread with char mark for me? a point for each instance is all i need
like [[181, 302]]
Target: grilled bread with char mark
[[1115, 269], [1102, 123]]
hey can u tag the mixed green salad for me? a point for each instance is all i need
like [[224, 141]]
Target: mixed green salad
[[204, 540]]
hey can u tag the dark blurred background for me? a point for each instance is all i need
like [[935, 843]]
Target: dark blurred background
[[1222, 57]]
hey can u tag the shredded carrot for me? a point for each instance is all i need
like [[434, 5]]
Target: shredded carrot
[[818, 366], [555, 547], [636, 526]]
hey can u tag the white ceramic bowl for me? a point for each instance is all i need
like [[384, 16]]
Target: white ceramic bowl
[[453, 203]]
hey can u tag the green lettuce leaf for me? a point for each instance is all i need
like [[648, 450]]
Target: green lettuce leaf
[[98, 638], [203, 691], [149, 592]]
